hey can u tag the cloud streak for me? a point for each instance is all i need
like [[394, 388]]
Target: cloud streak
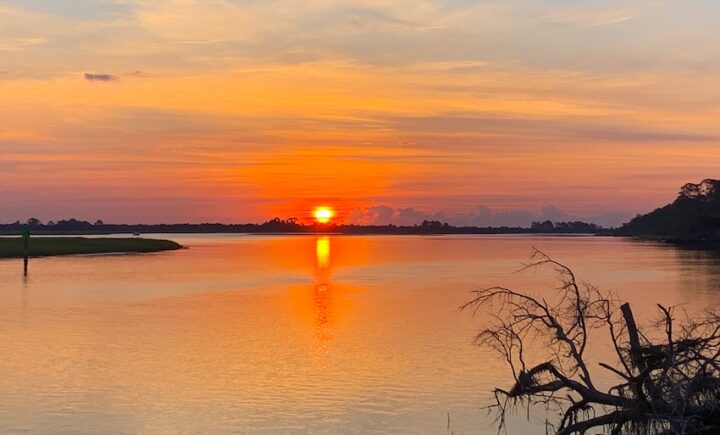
[[100, 77]]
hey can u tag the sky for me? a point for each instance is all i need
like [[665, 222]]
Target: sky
[[474, 112]]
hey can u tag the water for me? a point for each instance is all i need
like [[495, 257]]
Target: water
[[291, 334]]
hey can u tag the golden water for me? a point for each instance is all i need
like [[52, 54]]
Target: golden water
[[290, 334]]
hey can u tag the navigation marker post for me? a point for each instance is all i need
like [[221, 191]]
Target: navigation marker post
[[26, 238]]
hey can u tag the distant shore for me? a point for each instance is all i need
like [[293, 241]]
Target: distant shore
[[12, 247], [278, 226]]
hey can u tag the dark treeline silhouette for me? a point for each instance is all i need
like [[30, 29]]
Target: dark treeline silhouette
[[576, 227], [277, 225], [693, 216]]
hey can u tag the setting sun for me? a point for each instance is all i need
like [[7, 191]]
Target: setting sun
[[323, 214]]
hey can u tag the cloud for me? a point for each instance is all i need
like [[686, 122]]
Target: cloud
[[100, 77], [567, 128], [586, 18], [482, 217], [384, 215], [20, 43]]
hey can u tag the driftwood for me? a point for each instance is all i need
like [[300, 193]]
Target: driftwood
[[669, 385]]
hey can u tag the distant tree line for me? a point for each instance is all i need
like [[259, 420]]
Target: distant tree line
[[693, 216], [576, 227], [292, 225]]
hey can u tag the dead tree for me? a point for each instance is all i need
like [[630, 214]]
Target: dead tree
[[668, 376]]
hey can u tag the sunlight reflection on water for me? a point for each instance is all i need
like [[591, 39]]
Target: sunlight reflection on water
[[322, 334]]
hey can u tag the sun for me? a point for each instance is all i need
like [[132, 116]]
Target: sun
[[323, 214]]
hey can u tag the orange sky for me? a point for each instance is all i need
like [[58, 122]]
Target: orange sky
[[235, 111]]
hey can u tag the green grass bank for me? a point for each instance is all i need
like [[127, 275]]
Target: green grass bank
[[12, 247]]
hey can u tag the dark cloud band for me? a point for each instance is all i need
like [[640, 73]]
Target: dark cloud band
[[100, 77]]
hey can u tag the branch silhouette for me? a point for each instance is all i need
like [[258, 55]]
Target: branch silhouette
[[666, 385]]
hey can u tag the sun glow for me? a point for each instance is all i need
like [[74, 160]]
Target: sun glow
[[323, 214]]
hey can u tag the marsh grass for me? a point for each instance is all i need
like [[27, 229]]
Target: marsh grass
[[12, 247]]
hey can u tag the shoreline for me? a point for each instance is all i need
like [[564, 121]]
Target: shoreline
[[12, 247], [695, 244], [133, 236]]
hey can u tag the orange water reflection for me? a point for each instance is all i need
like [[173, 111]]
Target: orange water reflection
[[268, 334], [322, 290], [324, 302]]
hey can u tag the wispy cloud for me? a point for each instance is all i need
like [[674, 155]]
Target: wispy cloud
[[20, 43], [587, 18], [100, 77]]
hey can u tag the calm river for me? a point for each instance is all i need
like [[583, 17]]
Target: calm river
[[291, 334]]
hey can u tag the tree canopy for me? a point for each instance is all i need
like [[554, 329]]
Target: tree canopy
[[693, 216]]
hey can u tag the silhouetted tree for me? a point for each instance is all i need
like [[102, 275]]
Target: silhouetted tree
[[669, 385], [278, 225], [706, 190], [73, 225], [542, 227], [693, 216], [435, 227]]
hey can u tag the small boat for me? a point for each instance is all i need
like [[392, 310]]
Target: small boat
[[136, 234]]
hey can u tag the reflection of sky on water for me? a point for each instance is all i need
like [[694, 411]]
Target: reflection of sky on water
[[267, 334]]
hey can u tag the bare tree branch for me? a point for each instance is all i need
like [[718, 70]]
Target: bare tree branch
[[670, 387]]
